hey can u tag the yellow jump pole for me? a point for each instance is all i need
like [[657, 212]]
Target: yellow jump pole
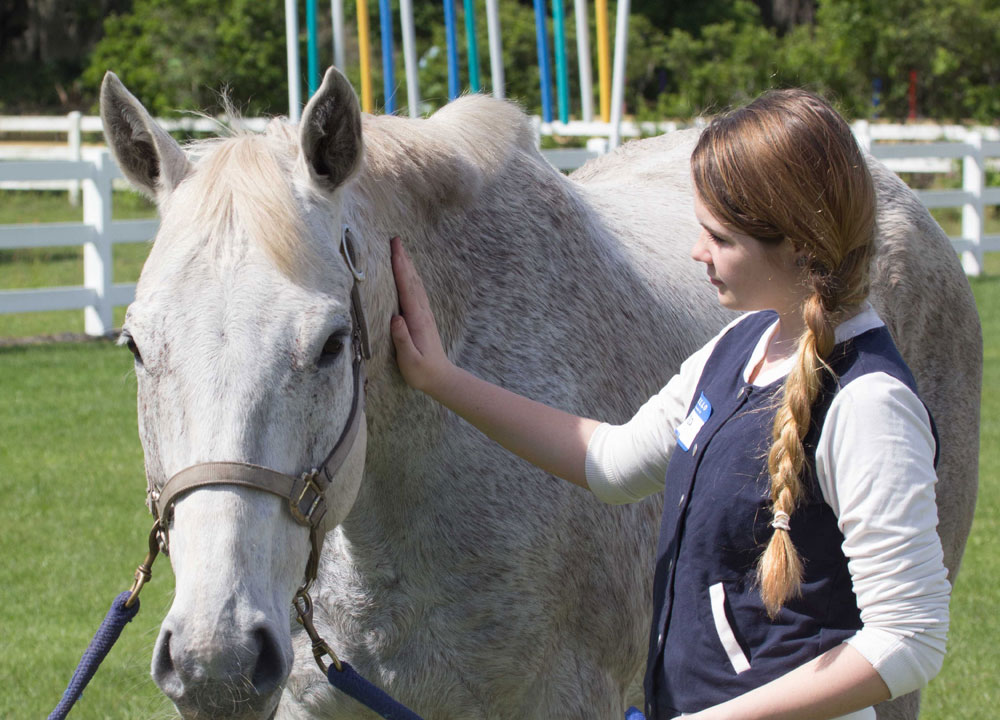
[[603, 58], [366, 59]]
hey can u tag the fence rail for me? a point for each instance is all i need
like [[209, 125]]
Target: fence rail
[[97, 234], [901, 147]]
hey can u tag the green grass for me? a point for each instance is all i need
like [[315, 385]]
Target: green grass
[[59, 266], [967, 686], [72, 530]]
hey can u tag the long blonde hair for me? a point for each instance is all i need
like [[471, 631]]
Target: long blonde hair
[[787, 167]]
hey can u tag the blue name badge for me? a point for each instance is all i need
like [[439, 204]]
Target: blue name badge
[[686, 431]]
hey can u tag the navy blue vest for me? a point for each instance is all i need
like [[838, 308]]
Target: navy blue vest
[[716, 525]]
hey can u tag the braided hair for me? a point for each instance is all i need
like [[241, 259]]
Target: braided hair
[[786, 167]]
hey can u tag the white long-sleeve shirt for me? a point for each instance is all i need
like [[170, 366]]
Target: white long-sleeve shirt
[[875, 468]]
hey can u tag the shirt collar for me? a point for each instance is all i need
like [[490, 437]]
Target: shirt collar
[[861, 322]]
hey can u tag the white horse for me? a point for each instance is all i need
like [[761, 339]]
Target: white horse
[[461, 580]]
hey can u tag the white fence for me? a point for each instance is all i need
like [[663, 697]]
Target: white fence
[[908, 148], [97, 234]]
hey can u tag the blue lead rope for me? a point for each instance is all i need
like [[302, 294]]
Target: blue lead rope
[[348, 681], [116, 619]]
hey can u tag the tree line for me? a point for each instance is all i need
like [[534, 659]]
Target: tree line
[[874, 58]]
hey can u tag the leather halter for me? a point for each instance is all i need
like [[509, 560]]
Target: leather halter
[[305, 493]]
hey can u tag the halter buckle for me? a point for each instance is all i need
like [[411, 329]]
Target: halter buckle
[[310, 484]]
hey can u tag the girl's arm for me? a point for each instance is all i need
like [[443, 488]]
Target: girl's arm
[[836, 683], [553, 440]]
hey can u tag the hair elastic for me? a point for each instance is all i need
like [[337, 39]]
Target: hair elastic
[[780, 521]]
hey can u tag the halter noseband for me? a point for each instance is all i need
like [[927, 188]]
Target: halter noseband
[[305, 493]]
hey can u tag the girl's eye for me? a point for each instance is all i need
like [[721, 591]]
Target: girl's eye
[[715, 238]]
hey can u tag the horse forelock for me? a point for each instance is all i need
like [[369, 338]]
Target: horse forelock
[[243, 185]]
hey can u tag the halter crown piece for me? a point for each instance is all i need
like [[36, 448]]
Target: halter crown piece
[[305, 493]]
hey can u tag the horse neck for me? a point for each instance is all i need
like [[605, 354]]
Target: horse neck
[[492, 238], [470, 230]]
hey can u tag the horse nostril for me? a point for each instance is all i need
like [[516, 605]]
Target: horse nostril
[[164, 671], [270, 670]]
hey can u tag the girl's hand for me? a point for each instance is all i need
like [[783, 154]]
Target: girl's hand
[[419, 351]]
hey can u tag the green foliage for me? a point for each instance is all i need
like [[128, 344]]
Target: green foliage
[[726, 63], [684, 58], [946, 44], [178, 54]]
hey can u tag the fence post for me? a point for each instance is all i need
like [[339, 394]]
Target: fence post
[[973, 181], [75, 153], [863, 134], [97, 269]]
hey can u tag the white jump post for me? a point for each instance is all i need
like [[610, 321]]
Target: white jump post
[[410, 57], [583, 58], [973, 182], [292, 51], [496, 48], [337, 15], [97, 267], [618, 73]]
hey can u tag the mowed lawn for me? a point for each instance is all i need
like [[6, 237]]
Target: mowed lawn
[[73, 527]]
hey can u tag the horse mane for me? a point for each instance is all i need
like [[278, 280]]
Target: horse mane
[[423, 167], [244, 181]]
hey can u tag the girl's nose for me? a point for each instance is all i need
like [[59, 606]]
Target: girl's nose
[[699, 251]]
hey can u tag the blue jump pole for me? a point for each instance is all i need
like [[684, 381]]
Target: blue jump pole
[[313, 47], [542, 40], [470, 43], [388, 69], [449, 29]]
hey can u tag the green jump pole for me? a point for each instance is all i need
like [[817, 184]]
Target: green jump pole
[[470, 41], [313, 47], [562, 78]]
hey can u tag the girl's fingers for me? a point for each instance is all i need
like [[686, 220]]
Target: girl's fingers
[[413, 300]]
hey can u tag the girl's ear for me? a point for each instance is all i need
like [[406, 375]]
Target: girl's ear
[[147, 155]]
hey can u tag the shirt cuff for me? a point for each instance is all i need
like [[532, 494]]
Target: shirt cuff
[[905, 664], [600, 483]]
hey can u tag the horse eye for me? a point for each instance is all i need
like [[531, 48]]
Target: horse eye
[[129, 342], [332, 348]]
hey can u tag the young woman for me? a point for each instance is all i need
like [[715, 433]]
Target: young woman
[[799, 573]]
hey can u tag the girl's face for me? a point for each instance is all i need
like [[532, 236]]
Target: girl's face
[[748, 274]]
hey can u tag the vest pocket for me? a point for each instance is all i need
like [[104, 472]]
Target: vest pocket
[[717, 597]]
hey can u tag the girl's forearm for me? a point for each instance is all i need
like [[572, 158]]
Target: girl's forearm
[[553, 440], [836, 683]]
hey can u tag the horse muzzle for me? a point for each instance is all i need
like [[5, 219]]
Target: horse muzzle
[[232, 670]]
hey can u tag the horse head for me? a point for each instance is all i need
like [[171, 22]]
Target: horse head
[[242, 332]]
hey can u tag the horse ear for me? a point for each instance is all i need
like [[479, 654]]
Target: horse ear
[[330, 133], [145, 152]]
